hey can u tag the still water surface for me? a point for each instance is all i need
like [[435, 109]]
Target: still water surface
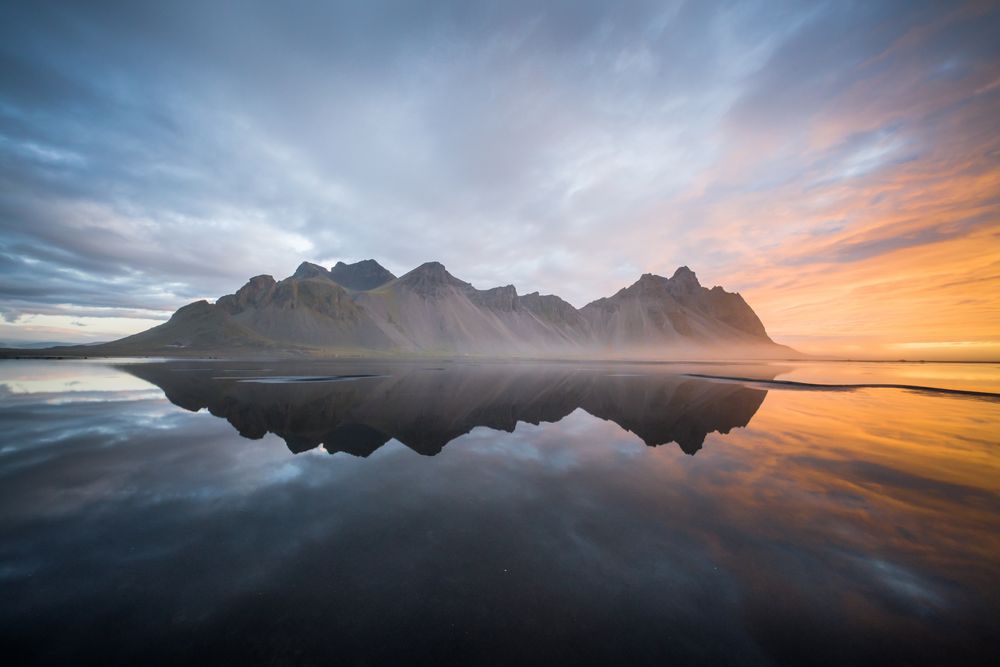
[[364, 513]]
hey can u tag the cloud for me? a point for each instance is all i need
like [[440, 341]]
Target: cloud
[[150, 156]]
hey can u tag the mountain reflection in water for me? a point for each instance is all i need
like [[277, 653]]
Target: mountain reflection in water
[[425, 408], [816, 527]]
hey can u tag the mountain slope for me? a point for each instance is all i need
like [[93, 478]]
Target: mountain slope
[[199, 325]]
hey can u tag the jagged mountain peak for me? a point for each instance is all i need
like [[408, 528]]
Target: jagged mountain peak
[[261, 280], [685, 276], [431, 268], [503, 289], [360, 276], [193, 309], [498, 298], [431, 277], [308, 270], [358, 264], [256, 291], [683, 281], [648, 284], [538, 296]]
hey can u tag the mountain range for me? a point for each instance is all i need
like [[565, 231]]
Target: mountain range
[[362, 308]]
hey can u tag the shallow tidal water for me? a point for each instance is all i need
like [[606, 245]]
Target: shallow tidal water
[[498, 513]]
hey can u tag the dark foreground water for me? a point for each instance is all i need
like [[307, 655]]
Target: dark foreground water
[[442, 513]]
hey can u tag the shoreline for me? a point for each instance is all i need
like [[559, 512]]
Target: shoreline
[[74, 353]]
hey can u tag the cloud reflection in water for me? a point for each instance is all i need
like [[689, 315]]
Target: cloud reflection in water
[[829, 529]]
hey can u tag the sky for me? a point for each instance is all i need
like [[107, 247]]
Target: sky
[[837, 163]]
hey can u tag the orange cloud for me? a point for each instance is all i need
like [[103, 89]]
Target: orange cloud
[[886, 243]]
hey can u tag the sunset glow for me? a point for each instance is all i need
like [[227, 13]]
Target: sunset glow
[[837, 165]]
